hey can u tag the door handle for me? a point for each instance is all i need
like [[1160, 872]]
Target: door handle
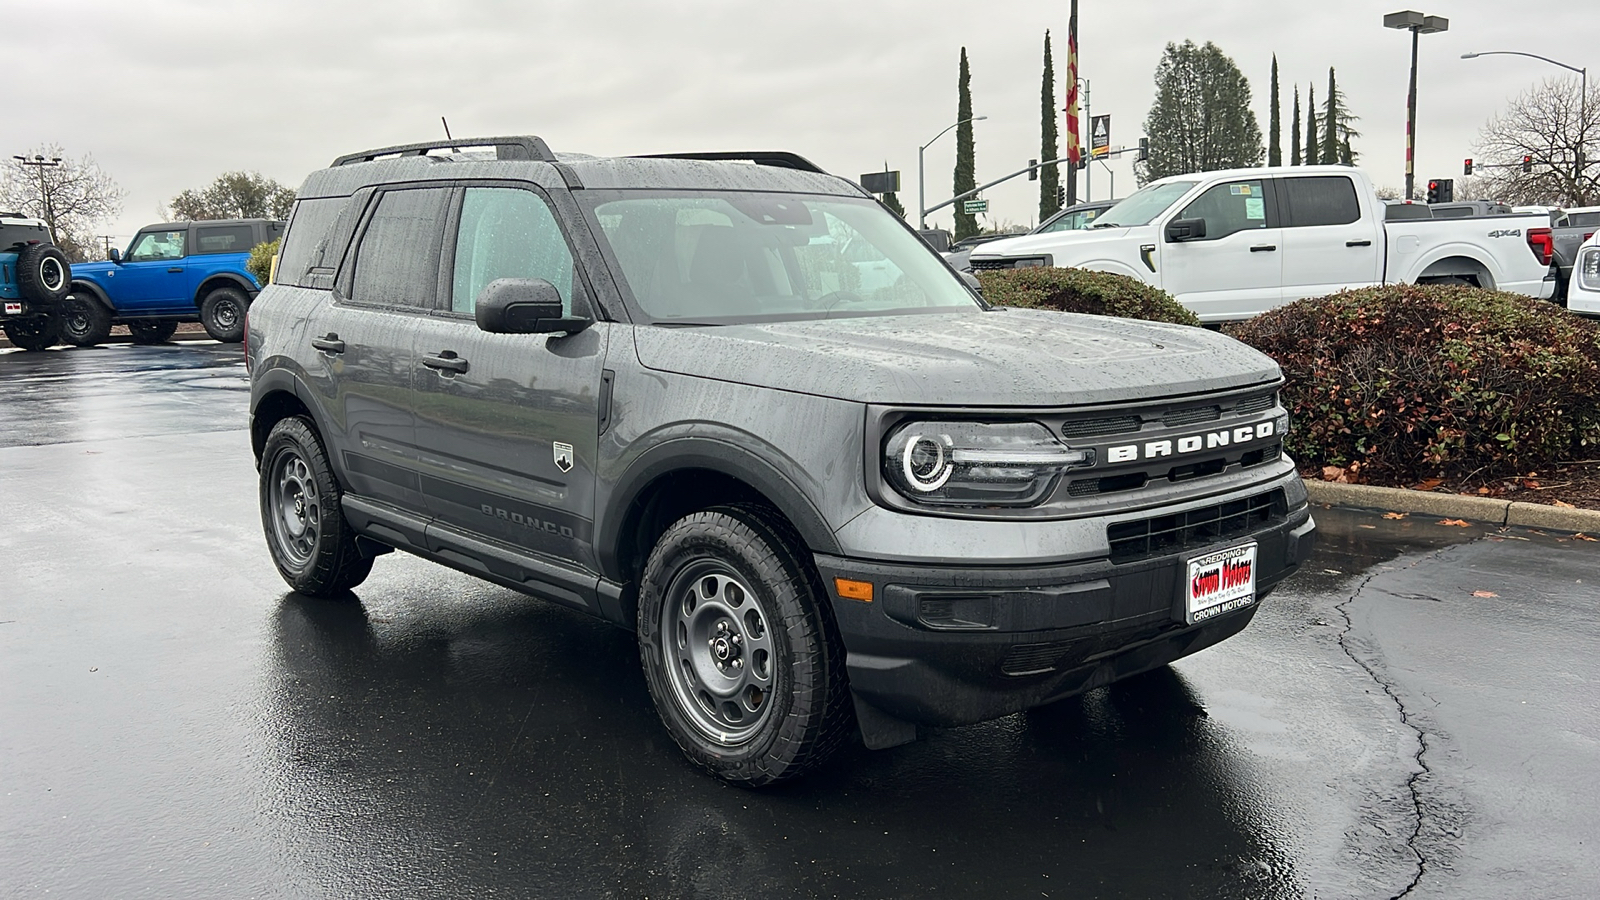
[[446, 361], [329, 344], [1263, 248], [1358, 243], [176, 269]]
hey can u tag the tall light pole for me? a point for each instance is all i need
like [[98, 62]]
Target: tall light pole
[[40, 164], [1416, 23], [1583, 99], [922, 196]]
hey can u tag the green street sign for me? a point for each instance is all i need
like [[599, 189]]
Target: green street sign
[[972, 207]]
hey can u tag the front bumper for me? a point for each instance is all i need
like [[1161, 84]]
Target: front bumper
[[952, 645]]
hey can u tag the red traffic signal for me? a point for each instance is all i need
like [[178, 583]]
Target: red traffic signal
[[1527, 164], [1467, 169]]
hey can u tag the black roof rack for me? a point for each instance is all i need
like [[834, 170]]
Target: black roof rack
[[782, 159], [527, 147]]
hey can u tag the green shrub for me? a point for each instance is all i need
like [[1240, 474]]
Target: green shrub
[[1082, 291], [1415, 382], [259, 265]]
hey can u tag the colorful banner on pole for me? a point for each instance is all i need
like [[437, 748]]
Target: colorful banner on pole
[[1099, 135], [1074, 143]]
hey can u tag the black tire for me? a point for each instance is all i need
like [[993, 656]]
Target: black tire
[[32, 333], [781, 704], [43, 274], [84, 321], [310, 542], [222, 313], [151, 331]]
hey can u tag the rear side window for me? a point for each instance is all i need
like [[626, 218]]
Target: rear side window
[[1320, 200], [224, 239], [1230, 208], [508, 233], [397, 263], [309, 228]]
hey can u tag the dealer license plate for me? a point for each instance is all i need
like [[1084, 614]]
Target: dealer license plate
[[13, 309], [1221, 581]]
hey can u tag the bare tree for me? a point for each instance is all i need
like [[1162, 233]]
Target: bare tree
[[1545, 124], [235, 195], [72, 197]]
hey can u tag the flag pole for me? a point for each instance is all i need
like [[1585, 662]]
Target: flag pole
[[1074, 144]]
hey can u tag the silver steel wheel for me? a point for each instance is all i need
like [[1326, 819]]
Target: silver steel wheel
[[296, 512], [717, 650], [52, 274]]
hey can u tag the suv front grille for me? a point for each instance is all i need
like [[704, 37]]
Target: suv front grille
[[1177, 532], [1097, 427]]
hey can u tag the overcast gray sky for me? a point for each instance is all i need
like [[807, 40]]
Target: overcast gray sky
[[169, 95]]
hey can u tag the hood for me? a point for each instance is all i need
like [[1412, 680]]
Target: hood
[[1011, 357], [1052, 242]]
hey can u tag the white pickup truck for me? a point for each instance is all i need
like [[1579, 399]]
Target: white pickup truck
[[1232, 244]]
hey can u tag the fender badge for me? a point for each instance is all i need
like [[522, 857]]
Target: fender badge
[[563, 454]]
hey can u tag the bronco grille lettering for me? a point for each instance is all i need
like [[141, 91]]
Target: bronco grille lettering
[[1189, 443]]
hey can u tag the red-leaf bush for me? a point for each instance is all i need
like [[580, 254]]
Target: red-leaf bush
[[1082, 291], [1423, 381]]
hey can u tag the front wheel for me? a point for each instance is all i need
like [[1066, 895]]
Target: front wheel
[[151, 332], [32, 333], [222, 314], [311, 544], [84, 322], [739, 647]]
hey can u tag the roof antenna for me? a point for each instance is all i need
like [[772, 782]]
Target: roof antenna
[[447, 135]]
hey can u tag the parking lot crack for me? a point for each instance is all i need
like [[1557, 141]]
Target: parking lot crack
[[1422, 770]]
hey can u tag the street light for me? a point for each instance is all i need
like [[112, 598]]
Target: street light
[[1583, 96], [922, 198], [1416, 23]]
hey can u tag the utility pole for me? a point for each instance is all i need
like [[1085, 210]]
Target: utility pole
[[39, 163], [107, 238]]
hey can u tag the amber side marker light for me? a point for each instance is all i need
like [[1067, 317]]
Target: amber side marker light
[[853, 590]]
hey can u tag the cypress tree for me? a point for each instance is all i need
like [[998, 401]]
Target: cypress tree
[[1201, 119], [966, 167], [1337, 126], [1049, 177], [1294, 130], [1275, 124], [1313, 143]]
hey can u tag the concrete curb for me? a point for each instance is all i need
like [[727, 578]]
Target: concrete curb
[[1455, 506]]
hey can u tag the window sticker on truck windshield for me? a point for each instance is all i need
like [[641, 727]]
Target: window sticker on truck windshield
[[1255, 208]]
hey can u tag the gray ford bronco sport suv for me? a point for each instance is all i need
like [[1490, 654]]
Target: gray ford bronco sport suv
[[732, 403]]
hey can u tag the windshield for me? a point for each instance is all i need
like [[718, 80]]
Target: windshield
[[715, 257], [1144, 204]]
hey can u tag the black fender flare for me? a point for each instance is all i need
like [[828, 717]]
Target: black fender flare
[[90, 289], [235, 279], [277, 380], [722, 457]]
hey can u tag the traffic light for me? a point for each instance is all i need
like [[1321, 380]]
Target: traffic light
[[1144, 150], [1441, 190], [1033, 170], [1467, 169], [1527, 164], [1061, 196]]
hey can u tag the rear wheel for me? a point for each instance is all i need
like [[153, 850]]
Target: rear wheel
[[222, 314], [32, 333], [739, 647], [84, 321], [311, 544], [152, 332]]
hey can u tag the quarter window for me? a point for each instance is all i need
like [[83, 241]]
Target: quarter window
[[224, 239], [397, 263], [1230, 208], [155, 245], [508, 233], [1321, 200]]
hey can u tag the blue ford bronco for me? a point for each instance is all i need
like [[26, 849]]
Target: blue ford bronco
[[34, 275], [173, 272]]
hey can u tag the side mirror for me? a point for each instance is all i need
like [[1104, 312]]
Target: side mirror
[[1180, 230], [937, 238], [524, 306], [114, 255], [972, 282]]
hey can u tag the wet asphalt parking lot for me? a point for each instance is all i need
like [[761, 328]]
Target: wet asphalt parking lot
[[1415, 714]]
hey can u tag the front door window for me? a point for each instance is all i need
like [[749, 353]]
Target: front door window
[[158, 245]]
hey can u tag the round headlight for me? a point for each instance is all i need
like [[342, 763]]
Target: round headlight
[[926, 462]]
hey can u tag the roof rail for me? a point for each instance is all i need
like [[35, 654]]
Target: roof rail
[[782, 159], [526, 147]]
